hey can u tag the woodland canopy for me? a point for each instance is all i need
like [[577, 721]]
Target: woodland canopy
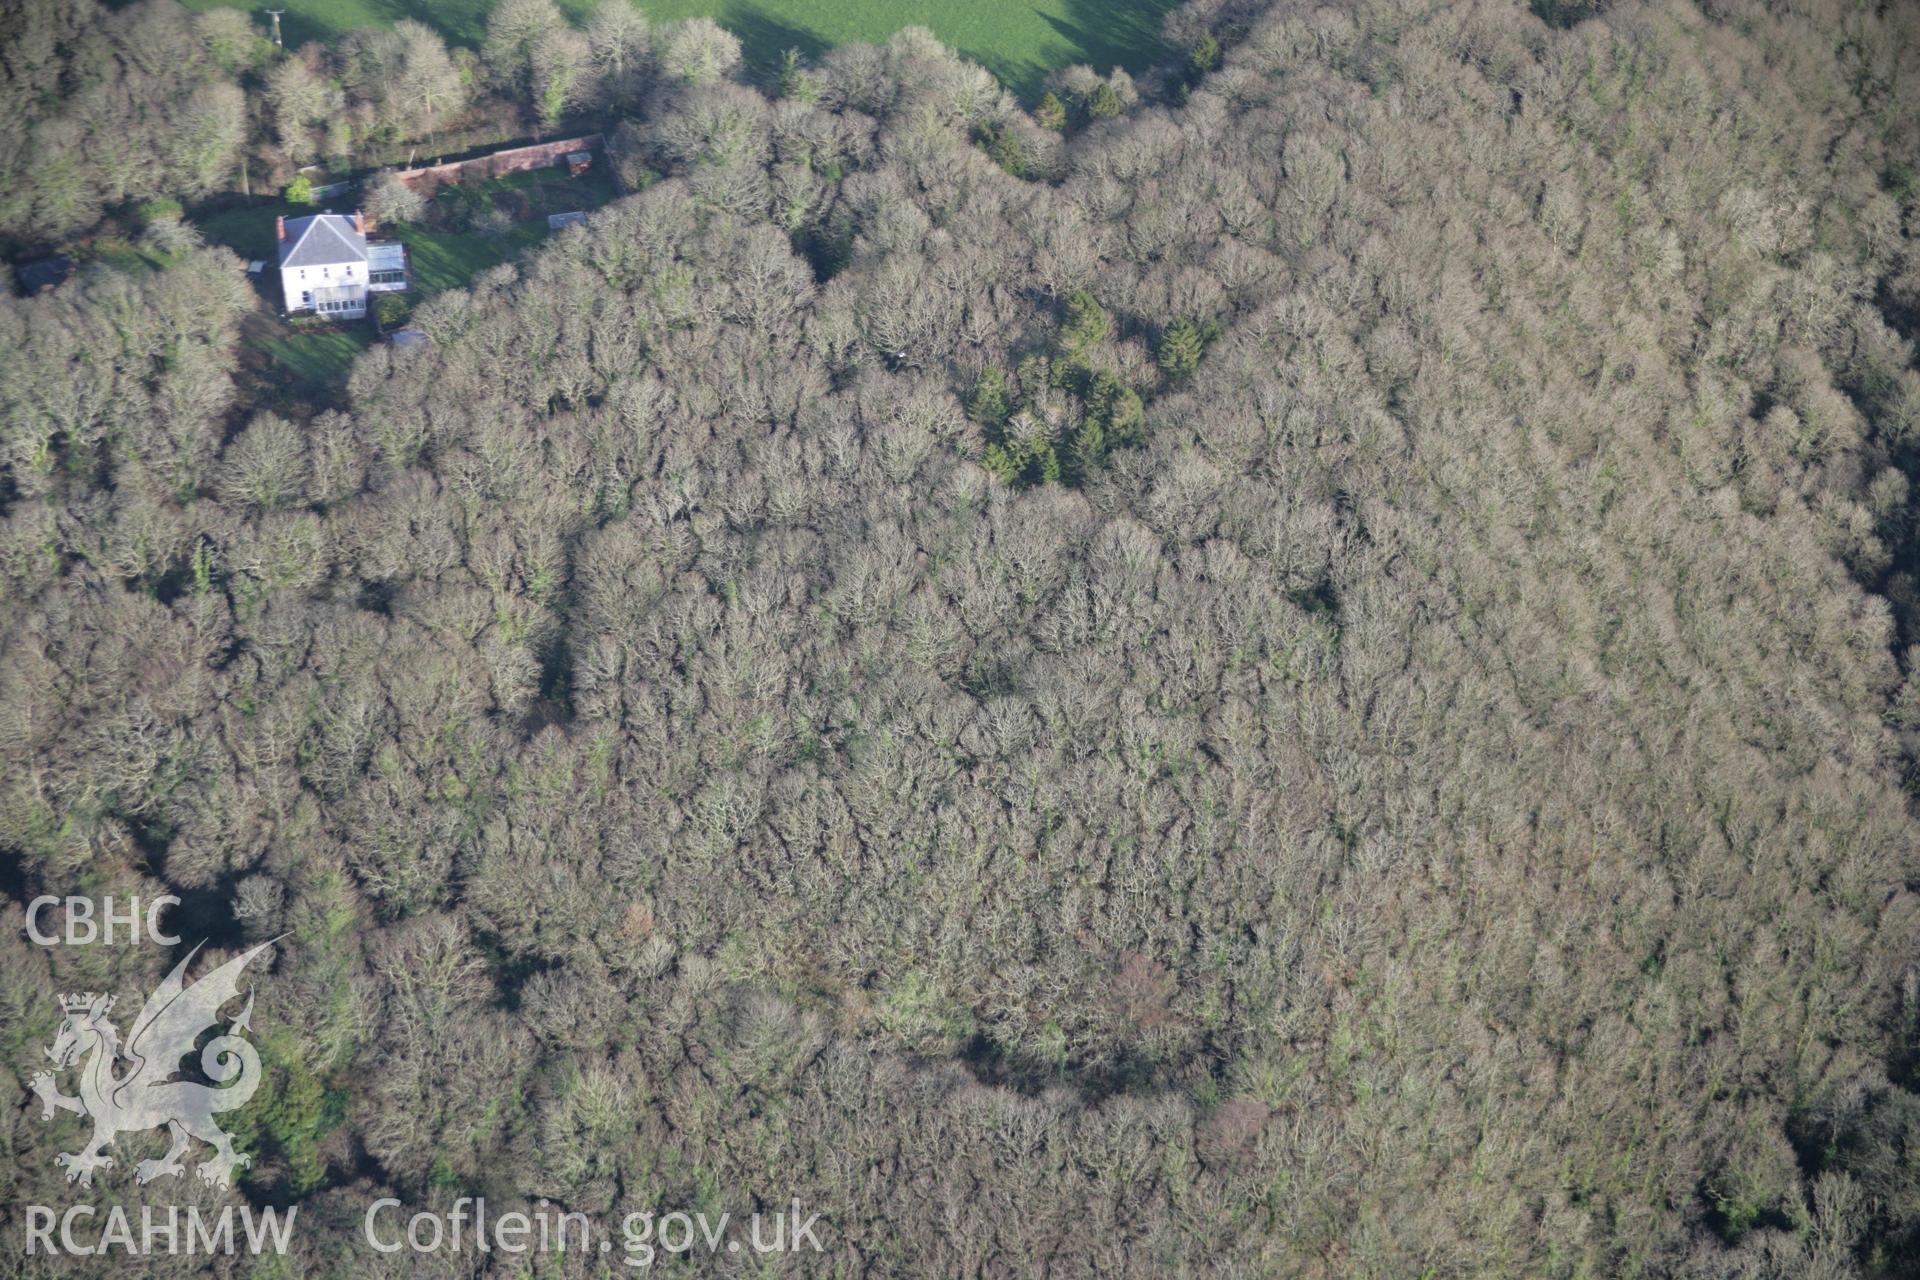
[[1309, 671]]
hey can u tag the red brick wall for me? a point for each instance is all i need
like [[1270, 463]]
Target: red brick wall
[[539, 156]]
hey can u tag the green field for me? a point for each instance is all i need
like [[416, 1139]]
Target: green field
[[1018, 40], [460, 21]]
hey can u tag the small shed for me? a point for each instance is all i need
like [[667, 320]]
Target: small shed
[[407, 338], [42, 273], [555, 221], [577, 162]]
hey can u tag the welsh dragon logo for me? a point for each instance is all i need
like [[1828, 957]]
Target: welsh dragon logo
[[145, 1095]]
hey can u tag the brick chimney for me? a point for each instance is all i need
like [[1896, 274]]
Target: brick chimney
[[280, 228], [359, 223]]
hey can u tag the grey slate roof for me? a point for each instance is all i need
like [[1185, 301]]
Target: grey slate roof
[[323, 240]]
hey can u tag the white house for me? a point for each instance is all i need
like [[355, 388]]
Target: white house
[[327, 266]]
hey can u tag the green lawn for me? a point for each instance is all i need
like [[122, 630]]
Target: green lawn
[[450, 259], [313, 361], [1018, 40], [249, 231]]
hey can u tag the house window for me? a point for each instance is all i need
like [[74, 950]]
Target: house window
[[306, 297]]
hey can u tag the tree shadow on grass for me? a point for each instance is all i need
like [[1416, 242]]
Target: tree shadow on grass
[[1026, 77], [765, 39], [460, 22], [1112, 34], [1103, 33]]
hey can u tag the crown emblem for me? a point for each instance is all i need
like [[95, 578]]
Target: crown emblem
[[145, 1095]]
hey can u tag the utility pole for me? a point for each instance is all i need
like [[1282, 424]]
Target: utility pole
[[275, 15]]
